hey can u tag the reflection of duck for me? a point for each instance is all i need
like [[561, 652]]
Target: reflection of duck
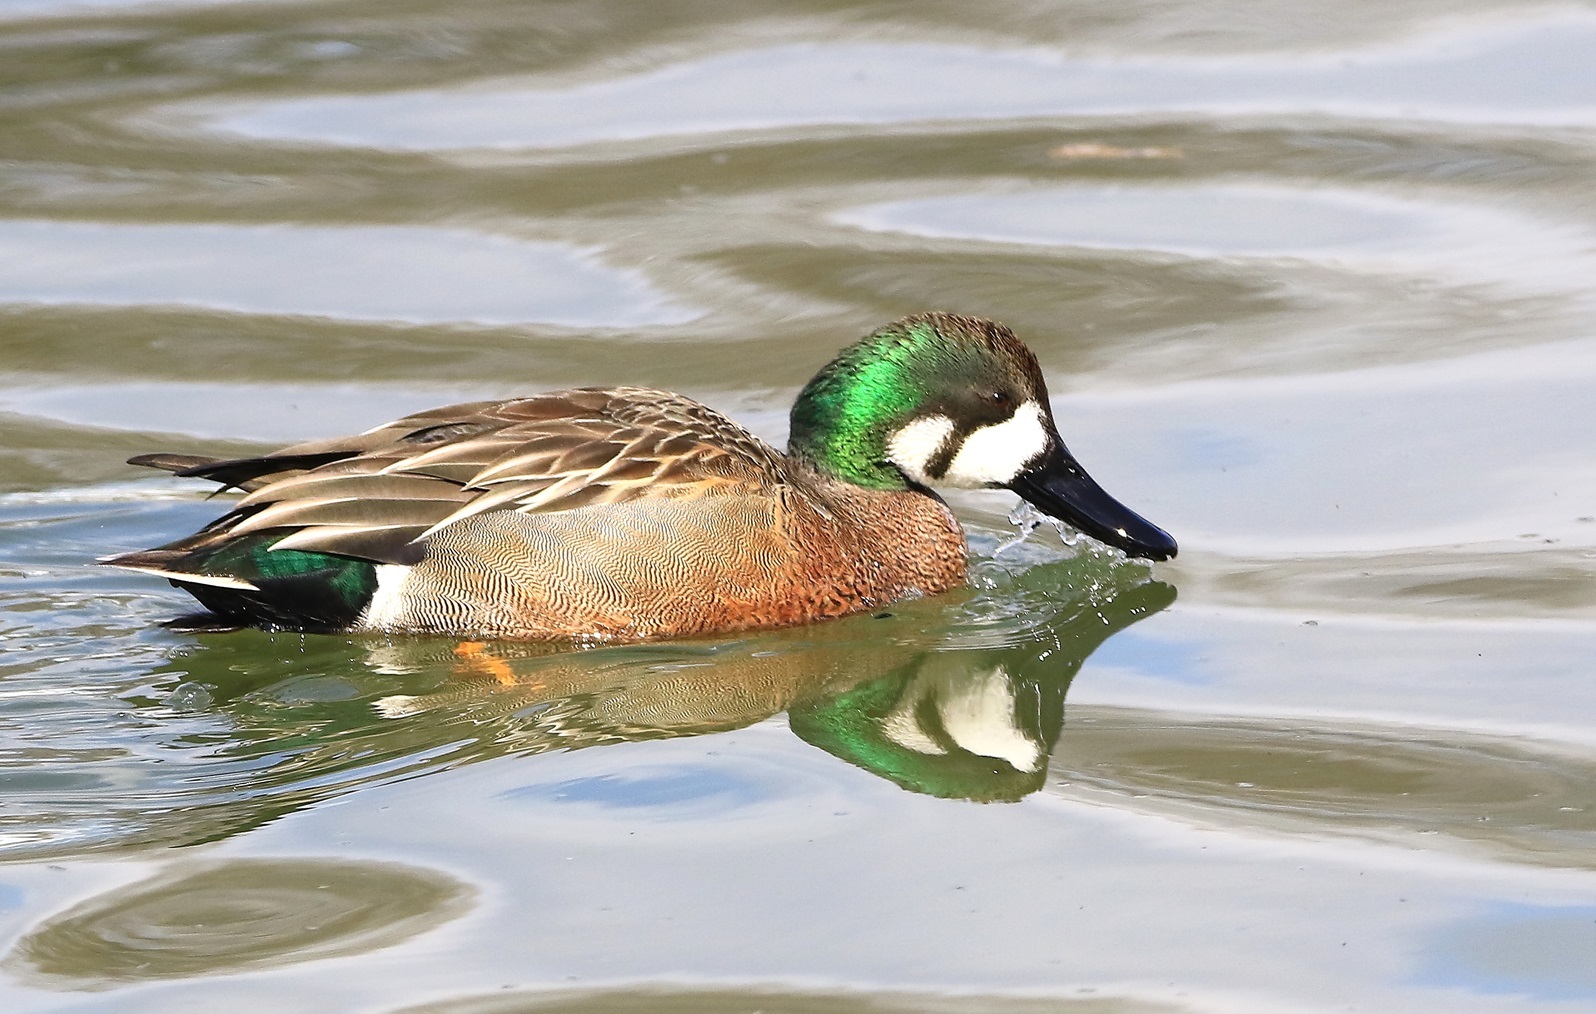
[[629, 514], [885, 694], [973, 724]]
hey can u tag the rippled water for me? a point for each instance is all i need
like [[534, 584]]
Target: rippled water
[[1312, 287]]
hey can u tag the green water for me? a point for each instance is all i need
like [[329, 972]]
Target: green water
[[1312, 288]]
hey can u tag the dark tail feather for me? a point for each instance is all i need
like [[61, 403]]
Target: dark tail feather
[[161, 560], [243, 473], [172, 462]]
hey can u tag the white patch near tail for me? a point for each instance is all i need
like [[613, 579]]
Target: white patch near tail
[[993, 455], [387, 608]]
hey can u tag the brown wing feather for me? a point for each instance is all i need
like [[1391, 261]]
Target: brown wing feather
[[386, 489]]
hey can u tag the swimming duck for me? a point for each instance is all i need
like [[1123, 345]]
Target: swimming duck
[[626, 513]]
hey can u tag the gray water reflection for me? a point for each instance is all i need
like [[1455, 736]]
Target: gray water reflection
[[660, 1000], [1512, 800], [1515, 72], [212, 918], [381, 273]]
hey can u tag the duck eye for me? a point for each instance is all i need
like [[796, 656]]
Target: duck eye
[[999, 398]]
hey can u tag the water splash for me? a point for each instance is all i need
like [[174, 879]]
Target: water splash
[[1028, 519]]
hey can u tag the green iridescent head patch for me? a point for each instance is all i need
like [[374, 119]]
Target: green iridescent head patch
[[843, 418]]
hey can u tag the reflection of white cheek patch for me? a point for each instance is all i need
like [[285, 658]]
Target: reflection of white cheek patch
[[993, 455], [913, 447], [979, 716]]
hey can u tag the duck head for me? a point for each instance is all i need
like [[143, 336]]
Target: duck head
[[939, 399]]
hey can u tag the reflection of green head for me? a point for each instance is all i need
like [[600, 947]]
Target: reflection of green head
[[980, 723], [948, 727]]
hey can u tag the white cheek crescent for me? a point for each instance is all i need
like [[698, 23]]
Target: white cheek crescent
[[913, 447], [994, 455]]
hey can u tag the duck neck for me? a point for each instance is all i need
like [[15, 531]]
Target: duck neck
[[844, 416]]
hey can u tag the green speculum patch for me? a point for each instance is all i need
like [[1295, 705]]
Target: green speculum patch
[[295, 588]]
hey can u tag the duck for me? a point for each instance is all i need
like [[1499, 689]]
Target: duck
[[618, 514]]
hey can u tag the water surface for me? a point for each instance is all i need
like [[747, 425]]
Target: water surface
[[1311, 289]]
